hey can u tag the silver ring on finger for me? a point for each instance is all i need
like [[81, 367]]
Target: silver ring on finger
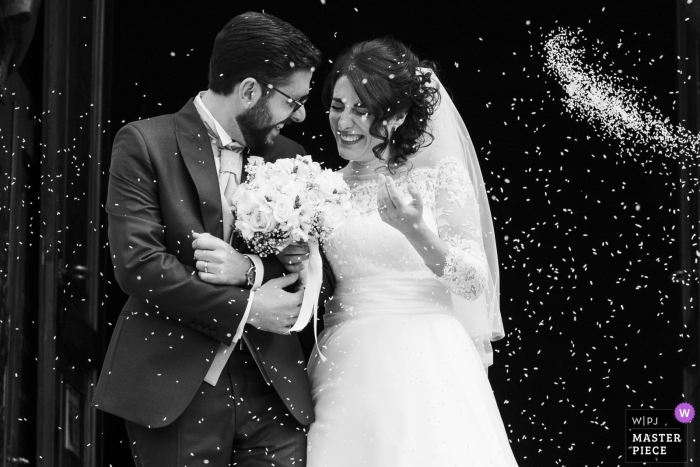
[[205, 267]]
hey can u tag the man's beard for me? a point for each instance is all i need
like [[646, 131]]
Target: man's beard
[[256, 125]]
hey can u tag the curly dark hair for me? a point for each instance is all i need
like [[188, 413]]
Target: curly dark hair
[[385, 76]]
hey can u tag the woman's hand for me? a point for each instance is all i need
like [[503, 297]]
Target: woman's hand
[[407, 218], [293, 258], [218, 262]]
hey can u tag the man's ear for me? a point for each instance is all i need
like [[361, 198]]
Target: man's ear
[[249, 91]]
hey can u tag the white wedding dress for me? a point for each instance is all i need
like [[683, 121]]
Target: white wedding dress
[[403, 383]]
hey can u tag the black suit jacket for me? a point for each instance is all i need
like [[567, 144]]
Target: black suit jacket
[[163, 185]]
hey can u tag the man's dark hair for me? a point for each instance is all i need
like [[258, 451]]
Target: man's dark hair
[[260, 46]]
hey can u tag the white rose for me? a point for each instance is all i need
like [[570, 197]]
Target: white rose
[[280, 176], [316, 168], [314, 197], [245, 228], [286, 165], [306, 212], [334, 216], [283, 209], [303, 169], [264, 187], [261, 221], [262, 172], [245, 201], [329, 181], [261, 203], [293, 221], [293, 189]]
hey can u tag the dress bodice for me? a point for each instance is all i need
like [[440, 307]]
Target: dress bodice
[[365, 246]]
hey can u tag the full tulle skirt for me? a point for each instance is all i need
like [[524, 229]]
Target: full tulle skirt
[[402, 383]]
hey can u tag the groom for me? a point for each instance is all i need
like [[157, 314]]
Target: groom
[[188, 397]]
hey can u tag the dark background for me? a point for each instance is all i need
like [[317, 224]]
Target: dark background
[[587, 234]]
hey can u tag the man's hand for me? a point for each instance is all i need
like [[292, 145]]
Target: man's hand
[[275, 310], [218, 262], [292, 257]]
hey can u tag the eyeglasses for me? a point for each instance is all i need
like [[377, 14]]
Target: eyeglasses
[[297, 104]]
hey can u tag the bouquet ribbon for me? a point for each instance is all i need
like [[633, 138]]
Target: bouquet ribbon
[[314, 280]]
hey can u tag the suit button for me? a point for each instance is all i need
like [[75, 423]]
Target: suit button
[[213, 333], [199, 327]]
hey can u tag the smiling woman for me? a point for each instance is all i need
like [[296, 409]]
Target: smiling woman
[[370, 91], [351, 123]]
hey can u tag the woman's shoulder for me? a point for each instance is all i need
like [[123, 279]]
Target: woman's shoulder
[[445, 173], [439, 170], [437, 163]]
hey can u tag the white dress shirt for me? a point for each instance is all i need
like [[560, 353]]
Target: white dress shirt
[[225, 139]]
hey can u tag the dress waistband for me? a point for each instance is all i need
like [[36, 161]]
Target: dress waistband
[[397, 293]]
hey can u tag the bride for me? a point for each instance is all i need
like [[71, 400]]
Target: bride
[[400, 378]]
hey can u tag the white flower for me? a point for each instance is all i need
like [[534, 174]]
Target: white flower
[[299, 235], [283, 209], [306, 212], [314, 198], [244, 200], [303, 169], [261, 221], [316, 168], [280, 176], [293, 197], [285, 164], [305, 160], [245, 228], [328, 181], [293, 189], [255, 161], [292, 222], [334, 216]]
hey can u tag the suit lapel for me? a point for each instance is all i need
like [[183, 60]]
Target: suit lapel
[[236, 240], [244, 156], [196, 152]]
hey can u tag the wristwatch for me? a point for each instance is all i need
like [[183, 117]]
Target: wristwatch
[[250, 273]]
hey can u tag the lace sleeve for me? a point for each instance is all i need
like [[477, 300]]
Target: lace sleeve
[[457, 214]]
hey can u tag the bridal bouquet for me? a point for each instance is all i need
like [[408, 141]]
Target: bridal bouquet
[[290, 200]]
